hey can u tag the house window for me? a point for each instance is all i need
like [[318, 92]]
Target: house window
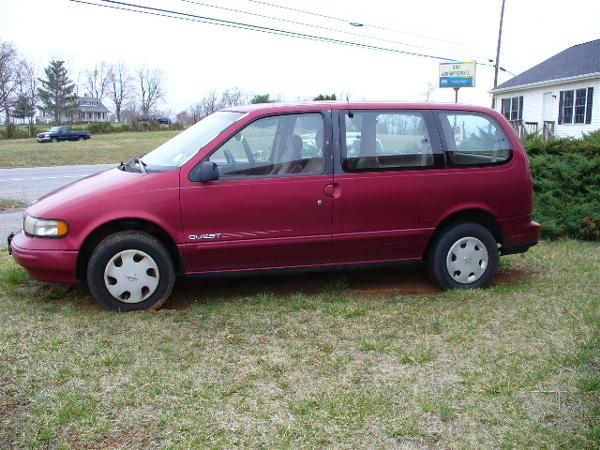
[[575, 106], [512, 108]]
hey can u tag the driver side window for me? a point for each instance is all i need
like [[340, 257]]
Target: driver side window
[[285, 145]]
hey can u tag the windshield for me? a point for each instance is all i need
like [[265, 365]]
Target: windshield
[[55, 129], [182, 147]]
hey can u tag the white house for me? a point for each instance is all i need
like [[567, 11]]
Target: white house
[[89, 110], [559, 97]]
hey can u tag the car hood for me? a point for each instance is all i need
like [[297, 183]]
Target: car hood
[[99, 190]]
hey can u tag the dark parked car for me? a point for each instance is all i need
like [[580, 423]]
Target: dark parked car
[[160, 119], [303, 186], [62, 133]]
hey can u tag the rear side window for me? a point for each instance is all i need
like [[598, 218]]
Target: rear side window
[[474, 139], [385, 140]]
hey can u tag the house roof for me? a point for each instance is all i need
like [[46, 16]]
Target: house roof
[[99, 108], [87, 108], [579, 61]]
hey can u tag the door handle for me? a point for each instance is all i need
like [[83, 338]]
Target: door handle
[[332, 190]]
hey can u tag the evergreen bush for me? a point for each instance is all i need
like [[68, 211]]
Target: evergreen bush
[[566, 182]]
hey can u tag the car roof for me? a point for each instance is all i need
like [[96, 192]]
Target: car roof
[[341, 105]]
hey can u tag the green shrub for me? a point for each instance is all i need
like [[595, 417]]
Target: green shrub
[[566, 181], [152, 125], [101, 127]]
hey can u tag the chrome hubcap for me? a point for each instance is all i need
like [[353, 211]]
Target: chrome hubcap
[[467, 260], [131, 276]]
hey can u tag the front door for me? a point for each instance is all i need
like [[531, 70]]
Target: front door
[[384, 199], [268, 208], [548, 101]]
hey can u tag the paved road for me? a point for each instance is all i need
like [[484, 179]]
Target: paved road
[[28, 184]]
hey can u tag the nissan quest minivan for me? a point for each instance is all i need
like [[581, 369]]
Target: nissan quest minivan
[[300, 186]]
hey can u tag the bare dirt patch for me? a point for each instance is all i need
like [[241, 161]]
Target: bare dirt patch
[[360, 283], [355, 283]]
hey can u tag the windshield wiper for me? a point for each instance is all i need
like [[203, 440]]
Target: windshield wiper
[[135, 160]]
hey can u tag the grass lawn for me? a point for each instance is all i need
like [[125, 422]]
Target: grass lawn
[[9, 205], [253, 364], [102, 148]]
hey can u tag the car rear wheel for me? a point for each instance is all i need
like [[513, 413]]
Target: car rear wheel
[[130, 271], [464, 256]]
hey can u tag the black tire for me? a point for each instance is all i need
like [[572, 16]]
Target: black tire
[[137, 241], [439, 253]]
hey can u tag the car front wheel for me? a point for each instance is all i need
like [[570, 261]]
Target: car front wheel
[[464, 256], [130, 271]]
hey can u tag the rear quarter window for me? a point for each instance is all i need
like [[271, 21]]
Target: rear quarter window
[[474, 139], [386, 140]]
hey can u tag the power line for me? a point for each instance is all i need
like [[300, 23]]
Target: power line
[[346, 21], [149, 10], [295, 22]]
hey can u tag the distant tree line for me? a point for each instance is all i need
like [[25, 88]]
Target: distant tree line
[[131, 92], [24, 89], [213, 101]]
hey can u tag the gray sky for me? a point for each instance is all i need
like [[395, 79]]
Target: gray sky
[[197, 58]]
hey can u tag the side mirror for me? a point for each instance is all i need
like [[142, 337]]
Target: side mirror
[[205, 171]]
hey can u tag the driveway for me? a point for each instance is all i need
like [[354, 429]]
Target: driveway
[[30, 183]]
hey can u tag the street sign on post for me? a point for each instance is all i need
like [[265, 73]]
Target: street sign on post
[[457, 74]]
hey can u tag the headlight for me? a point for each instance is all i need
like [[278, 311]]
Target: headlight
[[44, 227]]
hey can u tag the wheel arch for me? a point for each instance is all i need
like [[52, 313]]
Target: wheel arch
[[126, 224], [474, 215]]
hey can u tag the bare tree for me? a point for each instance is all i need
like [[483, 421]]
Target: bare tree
[[232, 97], [195, 112], [210, 103], [98, 80], [150, 84], [120, 87], [27, 93], [130, 111], [183, 117], [8, 77]]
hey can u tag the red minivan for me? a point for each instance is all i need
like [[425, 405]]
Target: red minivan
[[298, 186]]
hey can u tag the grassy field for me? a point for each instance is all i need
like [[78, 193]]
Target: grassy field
[[102, 148], [9, 205], [311, 361]]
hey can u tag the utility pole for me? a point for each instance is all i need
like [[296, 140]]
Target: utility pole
[[497, 62]]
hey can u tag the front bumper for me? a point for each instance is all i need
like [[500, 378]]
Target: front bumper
[[43, 139], [43, 264]]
